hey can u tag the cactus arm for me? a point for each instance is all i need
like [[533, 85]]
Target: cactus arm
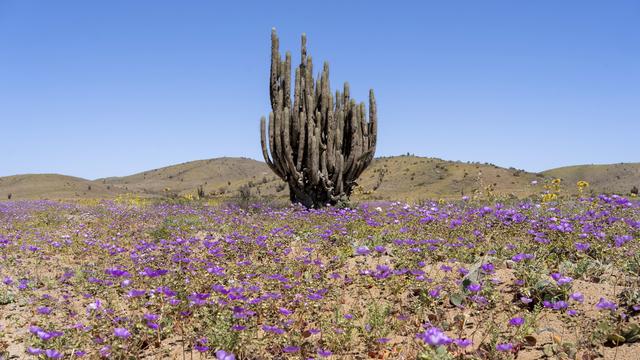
[[263, 144]]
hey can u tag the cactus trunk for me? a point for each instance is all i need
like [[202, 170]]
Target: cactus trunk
[[319, 145]]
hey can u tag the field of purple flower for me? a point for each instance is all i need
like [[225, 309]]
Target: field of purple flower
[[440, 280]]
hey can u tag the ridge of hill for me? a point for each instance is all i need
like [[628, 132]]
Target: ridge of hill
[[609, 178], [406, 178], [52, 186]]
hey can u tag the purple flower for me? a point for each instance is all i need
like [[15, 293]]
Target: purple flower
[[53, 354], [526, 300], [44, 310], [153, 273], [504, 347], [105, 351], [559, 305], [23, 284], [576, 296], [383, 340], [516, 321], [174, 302], [151, 317], [121, 333], [115, 272], [34, 350], [434, 337], [201, 348], [380, 248], [44, 335], [520, 257], [488, 268], [474, 287], [285, 312], [136, 293], [291, 349], [463, 343], [563, 280], [324, 353], [622, 239], [582, 246], [362, 250], [198, 299], [273, 329], [604, 304], [317, 295], [201, 345], [223, 355]]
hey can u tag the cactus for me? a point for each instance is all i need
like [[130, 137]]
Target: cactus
[[319, 145]]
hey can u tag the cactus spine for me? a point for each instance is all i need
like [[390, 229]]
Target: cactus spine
[[317, 144]]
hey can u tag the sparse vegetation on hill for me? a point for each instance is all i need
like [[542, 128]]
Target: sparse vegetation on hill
[[611, 178], [406, 178]]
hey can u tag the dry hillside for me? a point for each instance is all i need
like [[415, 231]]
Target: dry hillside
[[614, 178], [52, 186], [407, 178]]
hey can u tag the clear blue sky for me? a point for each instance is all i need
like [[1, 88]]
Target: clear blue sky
[[101, 88]]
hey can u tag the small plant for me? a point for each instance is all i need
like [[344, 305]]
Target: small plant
[[201, 193]]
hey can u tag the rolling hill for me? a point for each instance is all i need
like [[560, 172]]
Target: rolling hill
[[613, 178], [52, 186], [406, 178]]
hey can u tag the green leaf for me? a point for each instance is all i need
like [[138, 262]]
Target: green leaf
[[549, 350], [631, 333], [616, 339], [456, 299], [465, 283]]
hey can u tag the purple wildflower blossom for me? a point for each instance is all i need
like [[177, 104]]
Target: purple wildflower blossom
[[121, 333], [434, 337], [223, 355], [576, 296], [474, 287], [53, 354], [291, 349], [504, 347], [604, 304], [324, 353]]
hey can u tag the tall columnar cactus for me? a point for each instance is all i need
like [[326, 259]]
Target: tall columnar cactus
[[318, 144]]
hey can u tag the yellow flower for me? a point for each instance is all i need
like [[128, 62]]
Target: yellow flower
[[582, 184], [556, 181]]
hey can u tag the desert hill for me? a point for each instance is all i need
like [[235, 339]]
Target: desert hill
[[220, 175], [613, 178], [408, 178], [52, 186]]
